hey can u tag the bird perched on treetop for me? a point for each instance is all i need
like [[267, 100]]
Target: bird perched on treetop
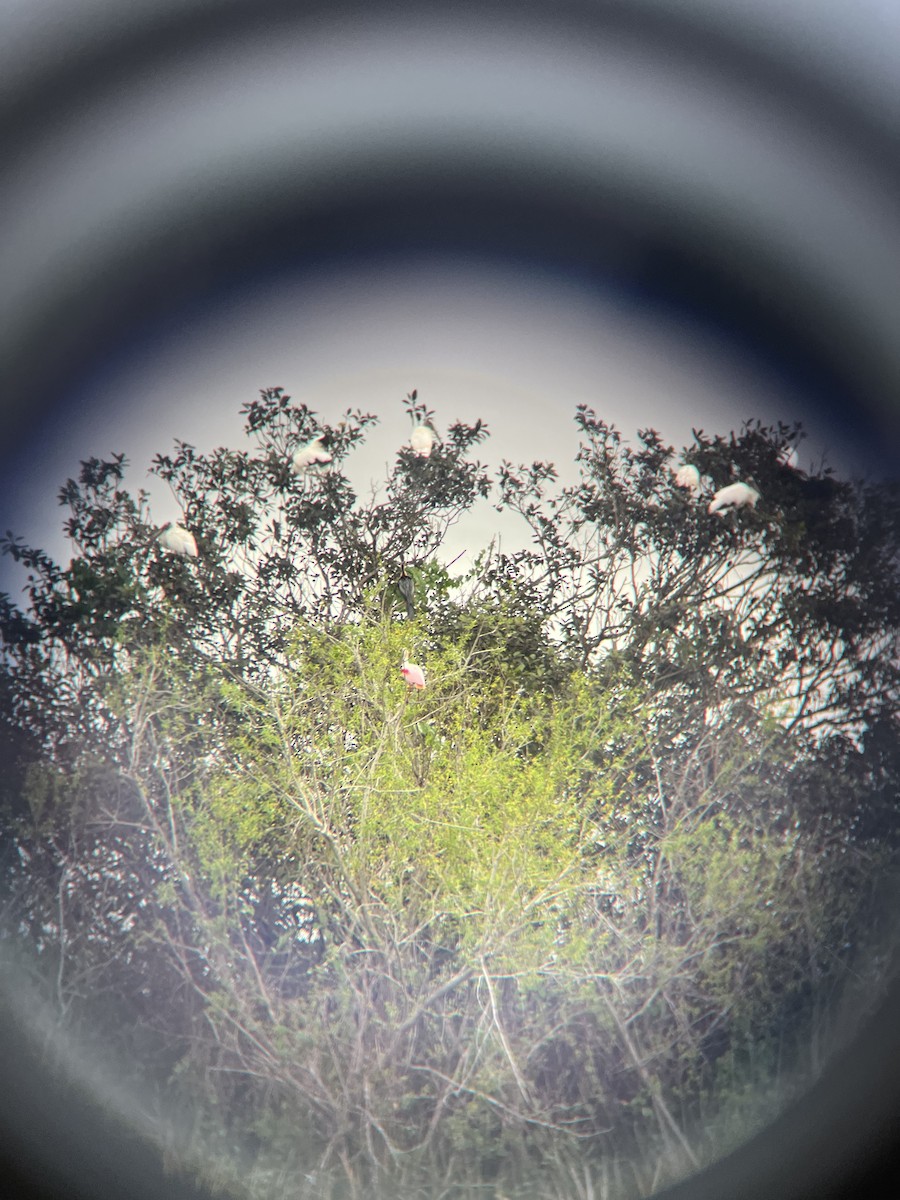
[[422, 439], [414, 675], [735, 495], [688, 477], [407, 590], [179, 540], [310, 455]]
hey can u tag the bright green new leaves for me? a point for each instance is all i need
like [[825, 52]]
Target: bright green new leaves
[[510, 927], [471, 804]]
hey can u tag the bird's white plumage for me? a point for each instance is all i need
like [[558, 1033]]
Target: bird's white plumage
[[735, 495], [788, 457], [688, 477], [179, 540], [422, 440], [310, 455]]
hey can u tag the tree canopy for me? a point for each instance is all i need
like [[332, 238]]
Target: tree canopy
[[584, 908]]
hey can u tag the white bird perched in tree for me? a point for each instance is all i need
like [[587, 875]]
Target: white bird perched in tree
[[414, 675], [788, 457], [735, 495], [688, 477], [310, 455], [179, 540], [422, 439]]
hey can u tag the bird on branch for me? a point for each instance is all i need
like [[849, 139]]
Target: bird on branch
[[735, 495], [422, 439], [413, 674], [178, 540], [788, 457], [310, 455], [407, 591], [688, 477]]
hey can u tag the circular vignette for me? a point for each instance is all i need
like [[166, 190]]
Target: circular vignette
[[493, 184], [773, 194]]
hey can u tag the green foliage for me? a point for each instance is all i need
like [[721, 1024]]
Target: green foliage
[[521, 925], [453, 805]]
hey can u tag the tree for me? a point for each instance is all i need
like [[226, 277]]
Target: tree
[[512, 927]]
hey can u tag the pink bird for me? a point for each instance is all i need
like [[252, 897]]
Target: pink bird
[[414, 676]]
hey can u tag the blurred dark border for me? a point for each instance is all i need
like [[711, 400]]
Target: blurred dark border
[[843, 1138]]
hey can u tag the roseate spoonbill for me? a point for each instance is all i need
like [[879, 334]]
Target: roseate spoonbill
[[310, 455], [407, 590], [422, 439], [788, 457], [178, 539], [735, 495], [688, 477], [414, 675]]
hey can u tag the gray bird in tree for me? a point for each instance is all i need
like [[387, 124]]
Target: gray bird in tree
[[407, 589]]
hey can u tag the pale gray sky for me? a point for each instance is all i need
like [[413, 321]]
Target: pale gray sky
[[517, 350], [477, 341]]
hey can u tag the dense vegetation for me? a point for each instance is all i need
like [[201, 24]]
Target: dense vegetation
[[560, 924]]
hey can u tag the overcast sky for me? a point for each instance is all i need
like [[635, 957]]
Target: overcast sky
[[519, 351], [478, 341]]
